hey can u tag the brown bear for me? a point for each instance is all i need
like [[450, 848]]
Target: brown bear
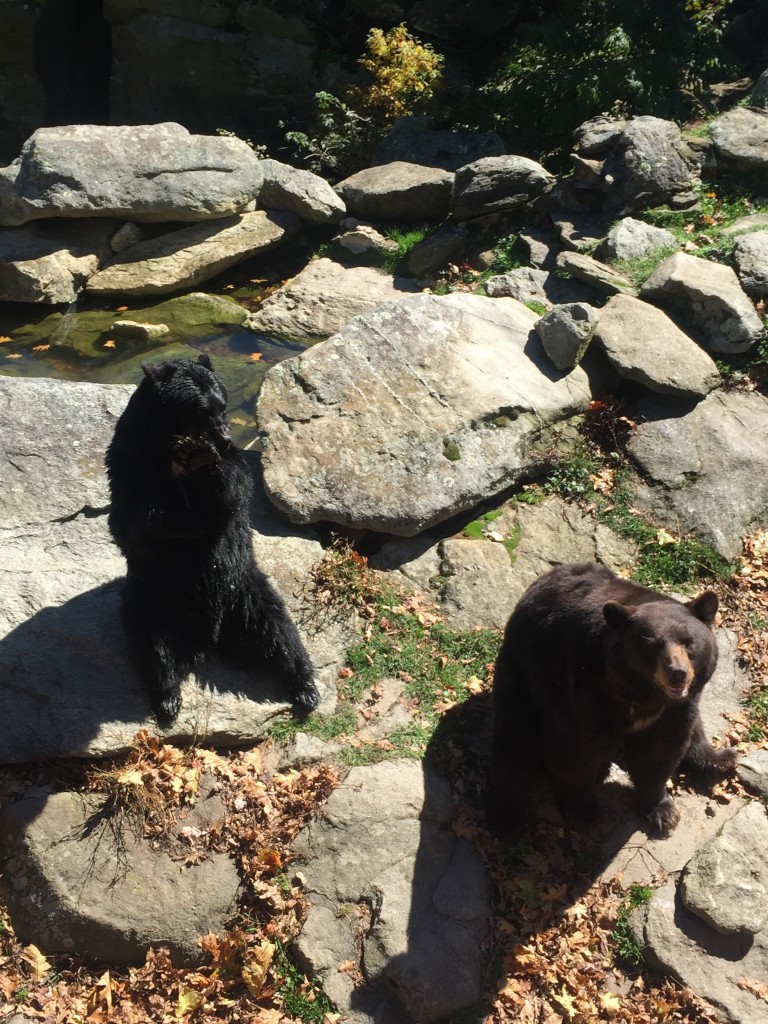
[[595, 670]]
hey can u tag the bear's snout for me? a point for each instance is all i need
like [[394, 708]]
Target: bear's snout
[[675, 673]]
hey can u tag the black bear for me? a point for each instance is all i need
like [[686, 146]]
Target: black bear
[[181, 492], [596, 670]]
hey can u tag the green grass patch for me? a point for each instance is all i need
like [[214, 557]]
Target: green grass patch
[[301, 998], [638, 270], [536, 307], [756, 705], [628, 952], [405, 238], [476, 529], [509, 253], [662, 561]]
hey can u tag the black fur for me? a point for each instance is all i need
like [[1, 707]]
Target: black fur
[[595, 669], [180, 497]]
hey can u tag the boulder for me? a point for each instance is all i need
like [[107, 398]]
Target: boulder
[[322, 298], [740, 139], [725, 883], [760, 91], [719, 968], [708, 295], [496, 184], [648, 163], [153, 172], [566, 332], [751, 256], [79, 880], [413, 412], [440, 246], [599, 275], [384, 838], [50, 262], [398, 192], [187, 257], [631, 239], [74, 692], [413, 140], [307, 195], [753, 772], [705, 465], [644, 345], [527, 284]]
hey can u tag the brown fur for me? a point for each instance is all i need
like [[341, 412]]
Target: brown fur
[[594, 670]]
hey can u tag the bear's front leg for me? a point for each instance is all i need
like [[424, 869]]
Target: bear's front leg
[[651, 758], [259, 630]]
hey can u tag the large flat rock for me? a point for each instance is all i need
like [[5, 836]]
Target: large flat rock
[[413, 412], [67, 686], [191, 255], [705, 466], [151, 172]]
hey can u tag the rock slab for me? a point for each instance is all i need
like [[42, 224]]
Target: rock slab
[[412, 413], [153, 172], [78, 880], [384, 842]]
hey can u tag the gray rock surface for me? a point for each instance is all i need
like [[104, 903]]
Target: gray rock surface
[[322, 298], [384, 841], [397, 191], [600, 276], [496, 183], [753, 772], [705, 466], [631, 239], [760, 92], [437, 248], [187, 257], [77, 879], [566, 332], [527, 284], [413, 140], [307, 195], [151, 172], [751, 256], [725, 883], [50, 263], [70, 689], [719, 968], [644, 345], [740, 138], [710, 296], [648, 163], [411, 414]]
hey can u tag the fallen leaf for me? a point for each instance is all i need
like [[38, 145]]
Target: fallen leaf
[[254, 357], [40, 348], [256, 966], [4, 338], [109, 343], [13, 355], [41, 968], [121, 309], [189, 1000]]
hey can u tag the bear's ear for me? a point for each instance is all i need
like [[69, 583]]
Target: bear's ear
[[617, 615], [158, 373], [205, 360], [705, 606]]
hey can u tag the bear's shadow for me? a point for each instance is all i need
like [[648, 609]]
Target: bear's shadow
[[70, 690]]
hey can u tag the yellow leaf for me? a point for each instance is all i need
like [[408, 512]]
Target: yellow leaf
[[121, 309], [474, 685], [131, 777], [254, 357], [109, 343], [256, 965], [4, 338], [608, 1001], [40, 348], [663, 537], [189, 1001], [13, 355], [567, 1002], [40, 966]]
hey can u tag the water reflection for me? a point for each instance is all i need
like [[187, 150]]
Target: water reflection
[[79, 342]]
